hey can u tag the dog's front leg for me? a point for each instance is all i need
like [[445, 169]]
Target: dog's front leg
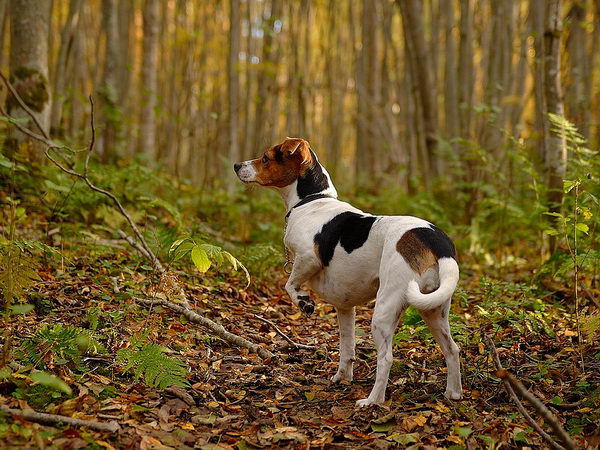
[[346, 319], [303, 269]]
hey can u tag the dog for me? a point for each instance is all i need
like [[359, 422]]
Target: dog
[[349, 257]]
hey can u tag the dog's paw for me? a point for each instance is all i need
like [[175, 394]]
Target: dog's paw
[[306, 305], [453, 395], [341, 377], [367, 402]]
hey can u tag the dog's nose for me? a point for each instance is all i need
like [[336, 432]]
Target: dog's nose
[[237, 166]]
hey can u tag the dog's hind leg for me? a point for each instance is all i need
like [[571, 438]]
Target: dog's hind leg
[[388, 310], [437, 321], [346, 319]]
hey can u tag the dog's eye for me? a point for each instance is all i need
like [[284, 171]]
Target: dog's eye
[[265, 159]]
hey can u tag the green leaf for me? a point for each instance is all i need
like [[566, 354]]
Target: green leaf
[[200, 259], [310, 396], [463, 432], [55, 187], [582, 227], [551, 232], [568, 185], [557, 400], [382, 427], [50, 381], [404, 439], [22, 308]]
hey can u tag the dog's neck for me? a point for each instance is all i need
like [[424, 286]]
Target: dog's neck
[[316, 180]]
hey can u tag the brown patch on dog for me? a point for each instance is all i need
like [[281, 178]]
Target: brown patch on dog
[[282, 164], [416, 254]]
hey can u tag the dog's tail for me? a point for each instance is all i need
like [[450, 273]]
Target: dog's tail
[[448, 273]]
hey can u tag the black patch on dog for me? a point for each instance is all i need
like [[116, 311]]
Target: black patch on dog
[[350, 229], [313, 181], [437, 241], [278, 154]]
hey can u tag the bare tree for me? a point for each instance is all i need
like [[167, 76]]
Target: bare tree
[[30, 20]]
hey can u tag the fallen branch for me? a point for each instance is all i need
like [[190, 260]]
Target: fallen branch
[[511, 385], [141, 245], [283, 335], [215, 327], [34, 416]]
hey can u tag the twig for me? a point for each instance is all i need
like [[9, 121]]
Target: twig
[[215, 327], [23, 105], [45, 139], [283, 335], [511, 384], [35, 416], [158, 266]]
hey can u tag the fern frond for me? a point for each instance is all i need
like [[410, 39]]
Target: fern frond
[[152, 364], [18, 272], [59, 344]]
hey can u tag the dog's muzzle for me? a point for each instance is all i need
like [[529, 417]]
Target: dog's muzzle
[[245, 171]]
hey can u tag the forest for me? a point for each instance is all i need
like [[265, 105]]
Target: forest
[[147, 298]]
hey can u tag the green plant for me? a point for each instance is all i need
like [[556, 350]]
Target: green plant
[[59, 345], [150, 362], [204, 255]]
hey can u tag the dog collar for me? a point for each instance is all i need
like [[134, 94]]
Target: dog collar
[[306, 200]]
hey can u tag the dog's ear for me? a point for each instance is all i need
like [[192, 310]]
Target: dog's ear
[[297, 147]]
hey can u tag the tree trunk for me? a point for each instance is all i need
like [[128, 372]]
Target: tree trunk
[[64, 55], [414, 31], [30, 20], [233, 82], [537, 12], [578, 100], [465, 69], [556, 152], [450, 83], [147, 139], [368, 91], [108, 92], [266, 79]]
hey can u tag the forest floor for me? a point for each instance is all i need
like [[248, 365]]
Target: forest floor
[[236, 400]]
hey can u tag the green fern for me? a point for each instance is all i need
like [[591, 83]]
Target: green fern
[[18, 272], [150, 362], [58, 345]]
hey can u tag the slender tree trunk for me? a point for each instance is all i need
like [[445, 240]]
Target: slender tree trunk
[[414, 30], [465, 68], [64, 55], [450, 82], [30, 20], [233, 81], [537, 13], [267, 79], [556, 152], [147, 140], [111, 113], [3, 22], [578, 100], [368, 90]]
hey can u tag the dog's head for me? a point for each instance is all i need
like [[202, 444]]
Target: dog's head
[[279, 166]]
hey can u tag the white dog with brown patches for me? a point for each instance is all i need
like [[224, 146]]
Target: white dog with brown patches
[[349, 257]]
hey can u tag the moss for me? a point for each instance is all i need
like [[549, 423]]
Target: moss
[[32, 86]]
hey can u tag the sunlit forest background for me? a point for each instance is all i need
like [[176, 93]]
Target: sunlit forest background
[[480, 116]]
